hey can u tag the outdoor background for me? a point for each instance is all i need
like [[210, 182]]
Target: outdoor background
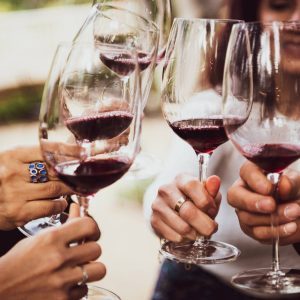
[[29, 33]]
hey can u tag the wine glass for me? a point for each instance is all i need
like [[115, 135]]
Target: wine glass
[[50, 91], [262, 120], [145, 25], [158, 11], [90, 123], [192, 106]]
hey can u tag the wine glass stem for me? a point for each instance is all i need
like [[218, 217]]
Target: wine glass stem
[[84, 205], [274, 178], [203, 159]]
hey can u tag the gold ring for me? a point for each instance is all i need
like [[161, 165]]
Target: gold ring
[[179, 203], [85, 277]]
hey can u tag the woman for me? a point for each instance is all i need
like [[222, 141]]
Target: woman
[[212, 282]]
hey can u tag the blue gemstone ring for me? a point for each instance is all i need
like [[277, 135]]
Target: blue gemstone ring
[[38, 172]]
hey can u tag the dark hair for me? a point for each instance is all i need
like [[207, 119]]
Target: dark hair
[[246, 10]]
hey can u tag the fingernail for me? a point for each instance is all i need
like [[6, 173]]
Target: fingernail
[[290, 228], [264, 205], [212, 212], [292, 211]]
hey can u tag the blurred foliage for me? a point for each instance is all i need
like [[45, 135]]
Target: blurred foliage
[[20, 104], [6, 5]]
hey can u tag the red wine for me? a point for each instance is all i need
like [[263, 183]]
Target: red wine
[[273, 158], [88, 177], [124, 64], [104, 125], [204, 135]]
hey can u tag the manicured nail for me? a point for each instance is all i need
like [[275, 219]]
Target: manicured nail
[[290, 228], [292, 212], [264, 205]]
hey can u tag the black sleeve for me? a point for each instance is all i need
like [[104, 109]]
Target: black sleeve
[[8, 239], [297, 247]]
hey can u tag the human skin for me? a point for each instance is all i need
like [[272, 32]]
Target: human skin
[[196, 216], [22, 201], [251, 195], [47, 267]]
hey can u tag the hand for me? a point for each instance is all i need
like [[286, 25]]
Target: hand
[[22, 201], [46, 267], [251, 197], [196, 216]]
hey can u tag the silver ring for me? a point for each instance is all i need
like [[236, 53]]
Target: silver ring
[[38, 172], [84, 278], [179, 203]]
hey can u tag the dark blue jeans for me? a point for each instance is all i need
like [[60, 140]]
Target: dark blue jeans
[[176, 282]]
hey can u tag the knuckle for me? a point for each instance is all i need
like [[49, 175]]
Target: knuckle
[[155, 221], [192, 184], [184, 229], [96, 249], [260, 234], [164, 190], [210, 228], [54, 189], [230, 195], [188, 211], [155, 206]]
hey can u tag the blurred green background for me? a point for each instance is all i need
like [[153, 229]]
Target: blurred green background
[[6, 5]]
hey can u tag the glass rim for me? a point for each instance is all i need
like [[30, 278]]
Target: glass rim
[[268, 23], [207, 20], [153, 28], [96, 44]]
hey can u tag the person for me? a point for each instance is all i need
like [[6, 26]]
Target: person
[[22, 200], [53, 264], [45, 265], [212, 282]]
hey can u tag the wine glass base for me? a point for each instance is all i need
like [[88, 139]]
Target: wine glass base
[[35, 226], [97, 293], [187, 252], [263, 282]]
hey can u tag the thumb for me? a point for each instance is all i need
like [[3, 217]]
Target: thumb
[[212, 185]]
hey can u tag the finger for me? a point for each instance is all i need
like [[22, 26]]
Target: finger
[[78, 229], [94, 270], [264, 233], [212, 185], [171, 218], [71, 150], [74, 211], [241, 198], [28, 154], [77, 292], [164, 231], [195, 191], [286, 214], [42, 208], [47, 190], [255, 179], [288, 185], [84, 253], [199, 220]]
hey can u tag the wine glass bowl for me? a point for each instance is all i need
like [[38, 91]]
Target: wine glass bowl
[[192, 106], [261, 118], [158, 11]]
